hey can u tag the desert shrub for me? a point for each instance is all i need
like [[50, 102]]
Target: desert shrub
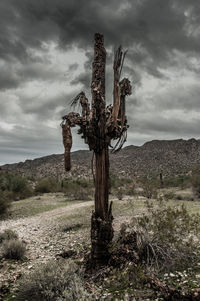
[[70, 184], [169, 195], [149, 188], [78, 189], [80, 195], [131, 189], [196, 184], [120, 193], [47, 185], [14, 186], [182, 181], [163, 238], [73, 227], [116, 182], [17, 184], [121, 285], [4, 203], [13, 249], [8, 234], [53, 282], [120, 186]]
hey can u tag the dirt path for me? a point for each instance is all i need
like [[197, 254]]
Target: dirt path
[[40, 221], [43, 238]]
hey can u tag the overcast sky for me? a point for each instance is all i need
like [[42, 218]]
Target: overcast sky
[[46, 52]]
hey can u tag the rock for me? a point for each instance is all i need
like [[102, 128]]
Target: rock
[[30, 267], [67, 254]]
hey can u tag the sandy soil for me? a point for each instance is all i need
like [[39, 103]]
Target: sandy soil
[[44, 238]]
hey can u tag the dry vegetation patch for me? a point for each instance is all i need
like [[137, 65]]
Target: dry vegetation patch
[[137, 252]]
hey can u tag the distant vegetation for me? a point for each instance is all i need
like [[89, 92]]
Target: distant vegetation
[[4, 203], [14, 187], [47, 185], [158, 244]]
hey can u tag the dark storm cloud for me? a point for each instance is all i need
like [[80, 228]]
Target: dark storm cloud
[[151, 29], [157, 26], [83, 78], [45, 109], [12, 77], [162, 38], [8, 79]]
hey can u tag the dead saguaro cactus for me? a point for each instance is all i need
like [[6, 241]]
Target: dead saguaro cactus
[[99, 124]]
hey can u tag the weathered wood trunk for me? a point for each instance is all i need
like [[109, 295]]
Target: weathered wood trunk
[[102, 183], [101, 222], [67, 141], [99, 125]]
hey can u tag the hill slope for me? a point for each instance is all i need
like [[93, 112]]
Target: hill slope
[[170, 156]]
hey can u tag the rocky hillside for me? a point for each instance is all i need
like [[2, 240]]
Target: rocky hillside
[[169, 156]]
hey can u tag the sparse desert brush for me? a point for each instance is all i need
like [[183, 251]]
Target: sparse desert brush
[[47, 185], [72, 227], [196, 183], [168, 195], [163, 238], [120, 193], [53, 282], [181, 181], [131, 190], [78, 189], [121, 285], [8, 234], [13, 249], [81, 195], [14, 186], [120, 186], [149, 188], [4, 203]]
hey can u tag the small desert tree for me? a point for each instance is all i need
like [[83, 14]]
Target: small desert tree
[[99, 125]]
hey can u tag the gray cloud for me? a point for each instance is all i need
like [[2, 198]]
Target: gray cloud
[[83, 78], [163, 64]]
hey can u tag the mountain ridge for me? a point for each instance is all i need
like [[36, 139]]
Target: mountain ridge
[[168, 156]]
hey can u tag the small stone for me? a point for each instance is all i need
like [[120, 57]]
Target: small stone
[[30, 267]]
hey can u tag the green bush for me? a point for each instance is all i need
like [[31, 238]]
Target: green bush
[[13, 249], [182, 181], [164, 237], [169, 195], [167, 236], [149, 188], [121, 186], [121, 284], [77, 189], [116, 182], [53, 282], [72, 227], [196, 184], [4, 203], [8, 234], [14, 186], [47, 185], [120, 194]]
